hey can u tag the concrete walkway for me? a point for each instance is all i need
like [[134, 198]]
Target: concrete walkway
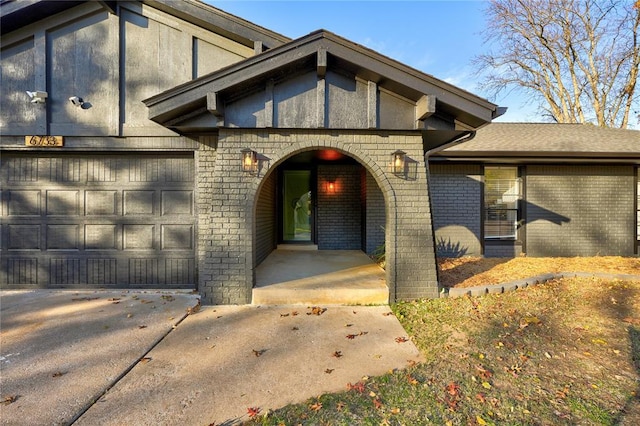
[[61, 351]]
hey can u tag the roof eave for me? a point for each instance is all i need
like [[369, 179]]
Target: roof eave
[[169, 104]]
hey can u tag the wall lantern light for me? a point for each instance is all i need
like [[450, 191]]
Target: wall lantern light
[[331, 187], [37, 97], [398, 161], [249, 161]]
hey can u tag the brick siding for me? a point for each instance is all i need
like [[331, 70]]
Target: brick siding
[[226, 199], [456, 191], [579, 210]]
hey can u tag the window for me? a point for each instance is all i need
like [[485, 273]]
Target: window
[[501, 195]]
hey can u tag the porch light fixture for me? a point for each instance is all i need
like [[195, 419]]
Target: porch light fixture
[[331, 187], [398, 161], [249, 161]]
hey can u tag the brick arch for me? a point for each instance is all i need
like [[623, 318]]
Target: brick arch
[[315, 142]]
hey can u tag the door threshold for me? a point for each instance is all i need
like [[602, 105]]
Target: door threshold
[[311, 247]]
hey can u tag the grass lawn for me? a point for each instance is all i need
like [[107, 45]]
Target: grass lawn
[[564, 352]]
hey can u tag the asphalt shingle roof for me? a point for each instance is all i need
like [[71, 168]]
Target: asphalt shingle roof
[[524, 139]]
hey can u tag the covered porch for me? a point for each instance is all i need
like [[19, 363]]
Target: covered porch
[[304, 275]]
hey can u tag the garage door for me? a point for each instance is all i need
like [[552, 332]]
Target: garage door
[[97, 220]]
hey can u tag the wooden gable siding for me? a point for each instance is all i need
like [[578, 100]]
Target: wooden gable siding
[[111, 61], [306, 101]]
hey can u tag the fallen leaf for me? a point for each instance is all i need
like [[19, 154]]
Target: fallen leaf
[[142, 326], [145, 359], [168, 298], [599, 341], [329, 370], [258, 353], [316, 407], [395, 411], [316, 310], [294, 313], [9, 400], [401, 339], [484, 373], [253, 411], [386, 314], [337, 354], [486, 385], [348, 325], [453, 389], [377, 404], [129, 315], [295, 328], [358, 387], [57, 374], [631, 320], [372, 394], [351, 336], [412, 380], [481, 421], [284, 315], [480, 397]]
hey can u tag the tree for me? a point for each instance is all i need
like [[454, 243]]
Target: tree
[[578, 59]]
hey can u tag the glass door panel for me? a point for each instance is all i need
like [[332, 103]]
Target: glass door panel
[[297, 206]]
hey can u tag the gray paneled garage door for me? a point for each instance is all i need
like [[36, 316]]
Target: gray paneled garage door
[[97, 220]]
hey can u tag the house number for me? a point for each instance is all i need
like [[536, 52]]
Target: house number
[[45, 141]]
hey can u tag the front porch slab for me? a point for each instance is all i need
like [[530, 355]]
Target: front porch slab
[[338, 277]]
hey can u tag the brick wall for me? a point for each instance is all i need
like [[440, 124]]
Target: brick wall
[[266, 226], [580, 210], [227, 198], [456, 191], [375, 215], [339, 213]]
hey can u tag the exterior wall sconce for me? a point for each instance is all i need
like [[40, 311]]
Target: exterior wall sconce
[[398, 161], [331, 187], [37, 97], [249, 161]]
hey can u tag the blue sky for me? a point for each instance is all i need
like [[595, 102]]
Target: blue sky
[[437, 37]]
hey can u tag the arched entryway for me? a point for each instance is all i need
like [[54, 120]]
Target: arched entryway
[[320, 218]]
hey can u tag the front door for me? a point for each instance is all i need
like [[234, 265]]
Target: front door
[[297, 206]]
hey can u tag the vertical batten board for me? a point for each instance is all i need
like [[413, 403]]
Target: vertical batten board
[[268, 104], [372, 105], [321, 99], [40, 80]]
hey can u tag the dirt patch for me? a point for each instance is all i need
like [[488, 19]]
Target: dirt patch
[[476, 271]]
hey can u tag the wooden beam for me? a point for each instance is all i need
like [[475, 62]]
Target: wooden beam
[[215, 105], [258, 47], [425, 107], [322, 62]]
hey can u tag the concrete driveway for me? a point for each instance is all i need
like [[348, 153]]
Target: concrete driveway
[[136, 358]]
